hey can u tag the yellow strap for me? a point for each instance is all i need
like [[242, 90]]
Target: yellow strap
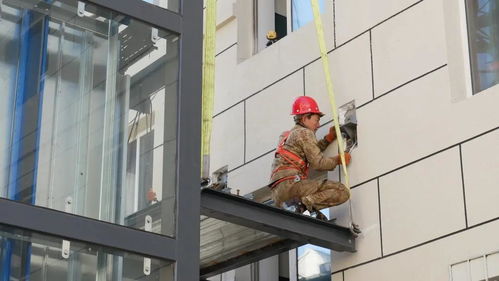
[[208, 84], [329, 84]]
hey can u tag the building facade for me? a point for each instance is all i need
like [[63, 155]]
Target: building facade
[[424, 177], [96, 98]]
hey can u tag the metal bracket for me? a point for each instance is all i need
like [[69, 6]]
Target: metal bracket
[[66, 245], [81, 9], [147, 261], [154, 35], [148, 223], [219, 179], [348, 125]]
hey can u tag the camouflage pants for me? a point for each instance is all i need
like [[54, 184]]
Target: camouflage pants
[[318, 194]]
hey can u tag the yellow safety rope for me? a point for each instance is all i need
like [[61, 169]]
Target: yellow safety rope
[[354, 228], [208, 84], [329, 84]]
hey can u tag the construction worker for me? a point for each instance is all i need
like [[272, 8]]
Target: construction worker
[[299, 149]]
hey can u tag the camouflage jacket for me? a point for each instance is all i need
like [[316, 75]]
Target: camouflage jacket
[[303, 143]]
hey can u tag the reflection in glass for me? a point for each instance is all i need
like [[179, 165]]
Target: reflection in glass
[[31, 256], [302, 12], [87, 92], [483, 32], [172, 5], [314, 263]]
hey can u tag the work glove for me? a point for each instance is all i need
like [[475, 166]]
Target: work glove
[[348, 158], [331, 136]]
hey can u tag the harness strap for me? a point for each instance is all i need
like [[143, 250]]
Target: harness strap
[[275, 183], [294, 161]]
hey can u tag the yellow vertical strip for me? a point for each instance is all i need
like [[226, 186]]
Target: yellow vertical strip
[[208, 84], [329, 84]]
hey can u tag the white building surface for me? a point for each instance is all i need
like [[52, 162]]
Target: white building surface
[[425, 176]]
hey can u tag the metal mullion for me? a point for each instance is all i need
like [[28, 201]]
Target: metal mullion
[[188, 141], [143, 11], [77, 228]]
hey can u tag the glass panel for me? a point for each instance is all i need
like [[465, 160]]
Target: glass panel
[[493, 266], [460, 272], [314, 263], [87, 94], [477, 269], [172, 5], [483, 32], [8, 72], [32, 256], [302, 12]]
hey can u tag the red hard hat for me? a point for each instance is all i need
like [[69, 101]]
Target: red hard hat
[[304, 104]]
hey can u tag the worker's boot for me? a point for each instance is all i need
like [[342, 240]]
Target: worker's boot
[[300, 208], [307, 203], [295, 207], [318, 215]]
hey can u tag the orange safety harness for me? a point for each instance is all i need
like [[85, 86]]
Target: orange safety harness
[[295, 162]]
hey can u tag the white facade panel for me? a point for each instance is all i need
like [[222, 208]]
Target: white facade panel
[[228, 139], [225, 11], [354, 17], [415, 121], [365, 213], [337, 277], [408, 45], [251, 176], [350, 72], [268, 114], [422, 201], [430, 261], [224, 79], [481, 177], [226, 36]]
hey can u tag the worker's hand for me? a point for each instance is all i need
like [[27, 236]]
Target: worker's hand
[[331, 136], [348, 159]]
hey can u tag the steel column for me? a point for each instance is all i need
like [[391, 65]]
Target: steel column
[[189, 141]]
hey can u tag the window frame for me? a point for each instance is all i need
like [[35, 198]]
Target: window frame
[[458, 52]]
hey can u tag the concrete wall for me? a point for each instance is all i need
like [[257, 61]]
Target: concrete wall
[[425, 176]]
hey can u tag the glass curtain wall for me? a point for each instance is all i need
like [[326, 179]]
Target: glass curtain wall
[[32, 256], [88, 113]]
